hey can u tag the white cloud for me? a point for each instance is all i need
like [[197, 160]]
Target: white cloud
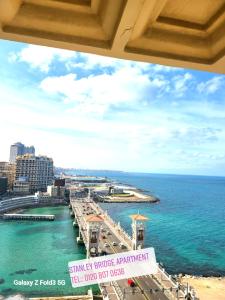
[[97, 93], [91, 61], [111, 114], [41, 57], [166, 69], [181, 83], [211, 86]]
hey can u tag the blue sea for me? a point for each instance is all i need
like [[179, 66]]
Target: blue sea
[[187, 226]]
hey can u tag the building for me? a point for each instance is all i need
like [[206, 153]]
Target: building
[[3, 185], [21, 186], [19, 149], [8, 170], [37, 169], [56, 191], [59, 182]]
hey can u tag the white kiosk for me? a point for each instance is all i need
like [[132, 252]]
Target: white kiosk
[[138, 231], [93, 233]]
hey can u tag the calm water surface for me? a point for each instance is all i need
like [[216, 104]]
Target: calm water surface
[[39, 250], [186, 229]]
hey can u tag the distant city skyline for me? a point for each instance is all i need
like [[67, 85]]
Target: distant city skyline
[[19, 149], [92, 112]]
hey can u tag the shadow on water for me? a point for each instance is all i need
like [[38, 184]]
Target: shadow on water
[[39, 229], [21, 272]]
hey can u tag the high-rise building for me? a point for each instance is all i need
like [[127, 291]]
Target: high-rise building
[[8, 170], [37, 169], [29, 150], [19, 149]]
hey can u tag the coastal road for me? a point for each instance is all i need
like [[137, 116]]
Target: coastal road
[[145, 285]]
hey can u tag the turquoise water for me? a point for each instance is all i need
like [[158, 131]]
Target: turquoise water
[[39, 251], [187, 227]]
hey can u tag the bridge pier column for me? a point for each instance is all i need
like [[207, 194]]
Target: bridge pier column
[[138, 231], [80, 238], [75, 224]]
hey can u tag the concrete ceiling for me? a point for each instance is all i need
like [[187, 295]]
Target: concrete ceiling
[[185, 33]]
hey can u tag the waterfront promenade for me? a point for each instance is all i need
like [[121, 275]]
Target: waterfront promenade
[[159, 286]]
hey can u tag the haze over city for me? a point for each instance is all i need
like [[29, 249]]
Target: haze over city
[[88, 111]]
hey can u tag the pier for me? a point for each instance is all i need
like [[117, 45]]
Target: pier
[[28, 217], [110, 237]]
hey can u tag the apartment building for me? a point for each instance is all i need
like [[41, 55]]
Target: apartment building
[[37, 169]]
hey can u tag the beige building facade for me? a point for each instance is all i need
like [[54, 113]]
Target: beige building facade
[[37, 169], [56, 191], [182, 33], [21, 187]]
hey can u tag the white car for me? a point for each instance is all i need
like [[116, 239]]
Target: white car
[[114, 244], [106, 245], [122, 246]]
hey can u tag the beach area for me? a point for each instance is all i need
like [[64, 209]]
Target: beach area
[[207, 288]]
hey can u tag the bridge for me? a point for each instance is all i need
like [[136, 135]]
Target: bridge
[[101, 235]]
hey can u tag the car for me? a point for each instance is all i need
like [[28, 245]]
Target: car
[[114, 243], [108, 232], [103, 236], [106, 245], [131, 283], [122, 246]]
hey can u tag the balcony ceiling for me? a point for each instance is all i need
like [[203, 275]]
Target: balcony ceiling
[[184, 33]]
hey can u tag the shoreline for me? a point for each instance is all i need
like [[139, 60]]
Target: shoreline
[[207, 288], [134, 200], [135, 195]]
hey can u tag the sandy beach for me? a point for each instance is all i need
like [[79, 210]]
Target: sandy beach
[[207, 288]]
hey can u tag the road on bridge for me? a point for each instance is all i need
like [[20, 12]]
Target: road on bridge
[[109, 243]]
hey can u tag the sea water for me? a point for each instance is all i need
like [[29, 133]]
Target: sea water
[[187, 226], [39, 251]]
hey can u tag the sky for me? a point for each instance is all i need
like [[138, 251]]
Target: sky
[[94, 112]]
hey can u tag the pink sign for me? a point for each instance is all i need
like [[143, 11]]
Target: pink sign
[[112, 267]]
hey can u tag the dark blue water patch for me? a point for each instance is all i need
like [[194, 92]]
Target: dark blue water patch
[[22, 272], [7, 292]]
